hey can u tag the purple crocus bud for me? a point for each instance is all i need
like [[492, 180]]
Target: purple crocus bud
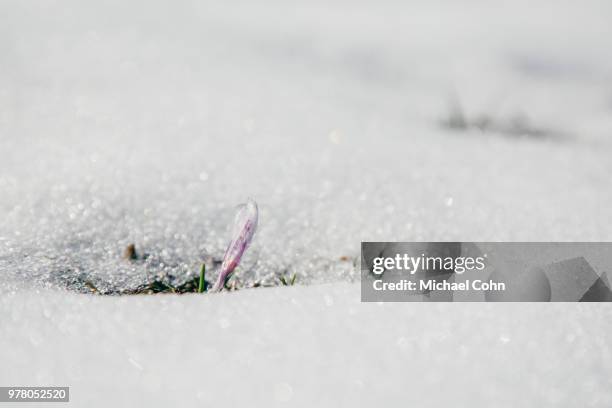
[[245, 224]]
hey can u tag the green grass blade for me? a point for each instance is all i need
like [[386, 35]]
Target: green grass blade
[[202, 285]]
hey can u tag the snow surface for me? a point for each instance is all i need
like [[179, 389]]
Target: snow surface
[[148, 122], [306, 346]]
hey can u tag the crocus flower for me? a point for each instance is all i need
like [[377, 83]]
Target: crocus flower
[[245, 224]]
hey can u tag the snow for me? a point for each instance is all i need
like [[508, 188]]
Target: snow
[[305, 346], [148, 122]]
